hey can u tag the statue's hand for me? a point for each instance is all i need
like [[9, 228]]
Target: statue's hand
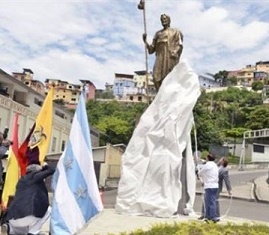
[[145, 37]]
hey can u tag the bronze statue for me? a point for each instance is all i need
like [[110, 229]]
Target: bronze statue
[[167, 45]]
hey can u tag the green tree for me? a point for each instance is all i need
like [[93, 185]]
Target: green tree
[[104, 95], [116, 120], [116, 130], [258, 118], [257, 86], [235, 133], [207, 134], [232, 81], [207, 130], [222, 76], [217, 112]]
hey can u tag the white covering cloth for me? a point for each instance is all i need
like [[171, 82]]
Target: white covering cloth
[[150, 175]]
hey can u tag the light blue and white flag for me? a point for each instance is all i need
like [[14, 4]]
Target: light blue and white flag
[[76, 196]]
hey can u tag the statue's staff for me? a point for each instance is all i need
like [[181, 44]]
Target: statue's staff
[[141, 6]]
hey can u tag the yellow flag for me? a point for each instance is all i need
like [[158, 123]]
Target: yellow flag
[[43, 127]]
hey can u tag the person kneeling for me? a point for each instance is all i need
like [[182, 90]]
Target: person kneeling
[[30, 209]]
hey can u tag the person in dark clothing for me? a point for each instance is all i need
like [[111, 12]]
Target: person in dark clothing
[[30, 209], [223, 176], [4, 146]]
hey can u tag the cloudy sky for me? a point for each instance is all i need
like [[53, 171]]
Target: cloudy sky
[[94, 39]]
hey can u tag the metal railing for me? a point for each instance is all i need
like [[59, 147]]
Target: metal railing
[[262, 133]]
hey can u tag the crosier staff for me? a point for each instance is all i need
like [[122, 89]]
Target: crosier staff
[[141, 6]]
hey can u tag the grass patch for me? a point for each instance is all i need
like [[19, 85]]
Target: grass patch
[[198, 228]]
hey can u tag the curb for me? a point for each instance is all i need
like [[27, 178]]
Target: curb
[[252, 191], [256, 191], [251, 199]]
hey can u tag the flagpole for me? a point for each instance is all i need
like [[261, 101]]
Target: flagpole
[[142, 6]]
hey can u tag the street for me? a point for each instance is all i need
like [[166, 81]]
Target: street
[[239, 208], [241, 177], [235, 208]]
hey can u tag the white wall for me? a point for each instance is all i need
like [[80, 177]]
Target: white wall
[[258, 156]]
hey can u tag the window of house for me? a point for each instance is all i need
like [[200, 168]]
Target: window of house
[[59, 114], [258, 148], [38, 102], [131, 97], [139, 98], [63, 145], [53, 145], [3, 90]]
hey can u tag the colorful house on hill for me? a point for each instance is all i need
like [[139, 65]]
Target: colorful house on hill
[[70, 93], [207, 81], [122, 81], [27, 77]]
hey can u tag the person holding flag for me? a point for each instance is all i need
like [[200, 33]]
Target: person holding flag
[[27, 162]]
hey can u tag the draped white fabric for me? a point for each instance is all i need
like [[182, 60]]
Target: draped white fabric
[[151, 166]]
